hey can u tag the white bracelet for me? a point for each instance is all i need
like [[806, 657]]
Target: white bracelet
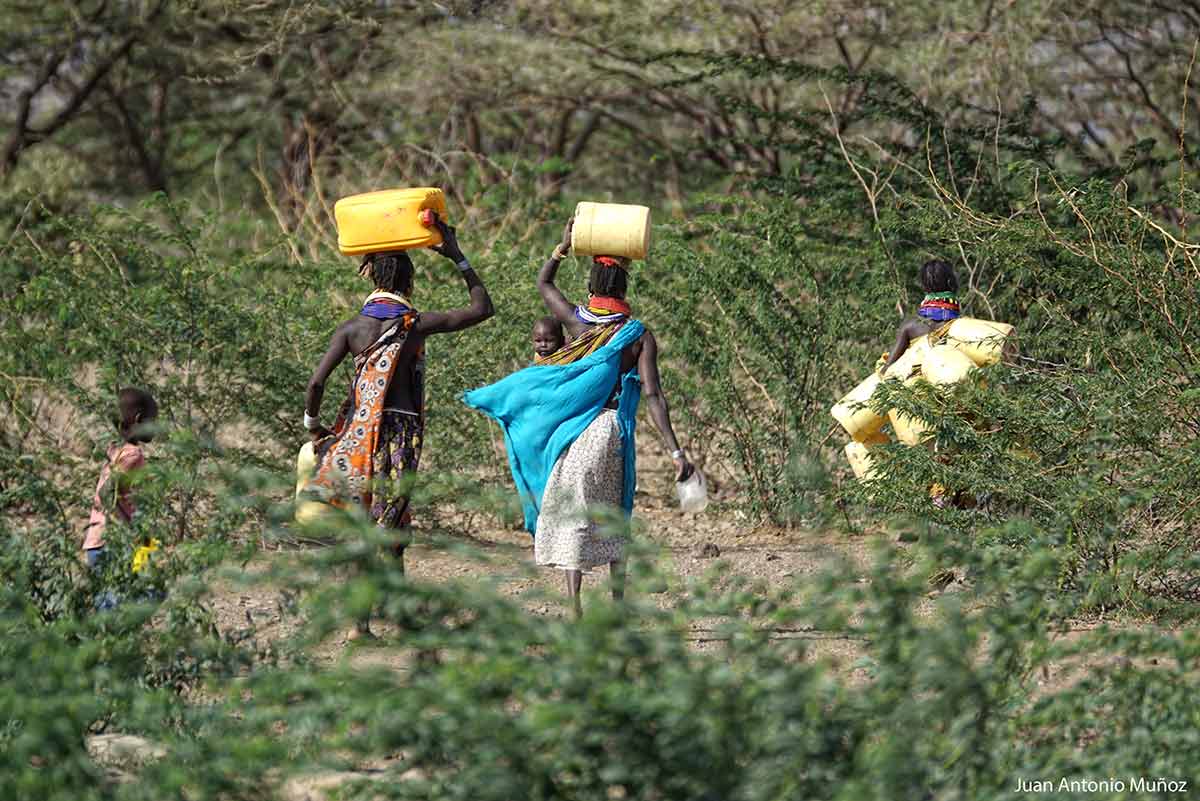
[[463, 266], [310, 422], [677, 454]]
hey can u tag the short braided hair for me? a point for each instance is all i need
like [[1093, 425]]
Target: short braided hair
[[391, 272], [938, 276], [609, 282], [135, 406]]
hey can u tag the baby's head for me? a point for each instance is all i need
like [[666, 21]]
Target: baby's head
[[547, 336], [136, 413]]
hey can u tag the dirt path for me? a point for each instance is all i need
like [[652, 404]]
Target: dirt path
[[684, 547]]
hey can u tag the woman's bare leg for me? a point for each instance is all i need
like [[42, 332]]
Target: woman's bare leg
[[616, 575], [362, 628], [574, 584]]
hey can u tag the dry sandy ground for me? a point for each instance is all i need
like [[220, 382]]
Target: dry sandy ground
[[683, 546]]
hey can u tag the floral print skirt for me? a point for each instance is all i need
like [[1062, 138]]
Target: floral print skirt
[[397, 454], [580, 524]]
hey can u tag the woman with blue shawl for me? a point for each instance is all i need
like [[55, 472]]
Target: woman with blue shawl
[[569, 423]]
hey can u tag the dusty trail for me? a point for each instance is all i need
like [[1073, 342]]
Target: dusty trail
[[681, 545], [684, 547]]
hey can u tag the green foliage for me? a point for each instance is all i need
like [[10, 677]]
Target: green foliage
[[1073, 466], [499, 703], [755, 362]]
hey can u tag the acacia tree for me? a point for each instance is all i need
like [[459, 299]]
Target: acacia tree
[[57, 61], [478, 95], [154, 90]]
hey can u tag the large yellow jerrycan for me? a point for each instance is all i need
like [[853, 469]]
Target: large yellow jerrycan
[[941, 365], [390, 219], [859, 421], [611, 229], [984, 341], [946, 364], [861, 461], [909, 362], [908, 429]]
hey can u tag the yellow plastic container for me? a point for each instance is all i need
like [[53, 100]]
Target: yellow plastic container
[[861, 461], [908, 429], [880, 437], [946, 364], [375, 222], [984, 341], [306, 467], [909, 362], [310, 512], [307, 511], [611, 229], [941, 365], [863, 424], [968, 343], [860, 423]]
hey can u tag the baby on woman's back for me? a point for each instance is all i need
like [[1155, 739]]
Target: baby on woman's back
[[547, 338]]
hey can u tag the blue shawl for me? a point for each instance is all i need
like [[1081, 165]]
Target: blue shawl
[[544, 408]]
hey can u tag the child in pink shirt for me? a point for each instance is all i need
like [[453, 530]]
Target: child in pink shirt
[[136, 411]]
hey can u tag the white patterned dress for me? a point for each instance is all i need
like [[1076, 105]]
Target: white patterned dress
[[580, 523]]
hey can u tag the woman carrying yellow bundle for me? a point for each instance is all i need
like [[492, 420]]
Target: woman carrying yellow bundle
[[939, 307]]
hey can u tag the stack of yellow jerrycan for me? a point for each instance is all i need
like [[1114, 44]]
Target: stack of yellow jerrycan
[[967, 343]]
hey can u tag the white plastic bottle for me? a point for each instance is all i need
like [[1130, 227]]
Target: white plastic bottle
[[692, 493]]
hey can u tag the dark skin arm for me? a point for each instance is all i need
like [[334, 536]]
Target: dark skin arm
[[908, 331], [339, 347], [556, 302], [480, 309], [656, 402]]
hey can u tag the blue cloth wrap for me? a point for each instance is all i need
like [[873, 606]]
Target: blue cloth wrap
[[544, 408]]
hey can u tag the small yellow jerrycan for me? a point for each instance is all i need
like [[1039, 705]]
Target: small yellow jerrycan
[[611, 229], [307, 511], [391, 219]]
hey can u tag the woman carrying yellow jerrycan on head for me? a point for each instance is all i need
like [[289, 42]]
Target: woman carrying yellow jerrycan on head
[[368, 460]]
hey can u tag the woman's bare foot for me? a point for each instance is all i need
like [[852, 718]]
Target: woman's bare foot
[[361, 631]]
